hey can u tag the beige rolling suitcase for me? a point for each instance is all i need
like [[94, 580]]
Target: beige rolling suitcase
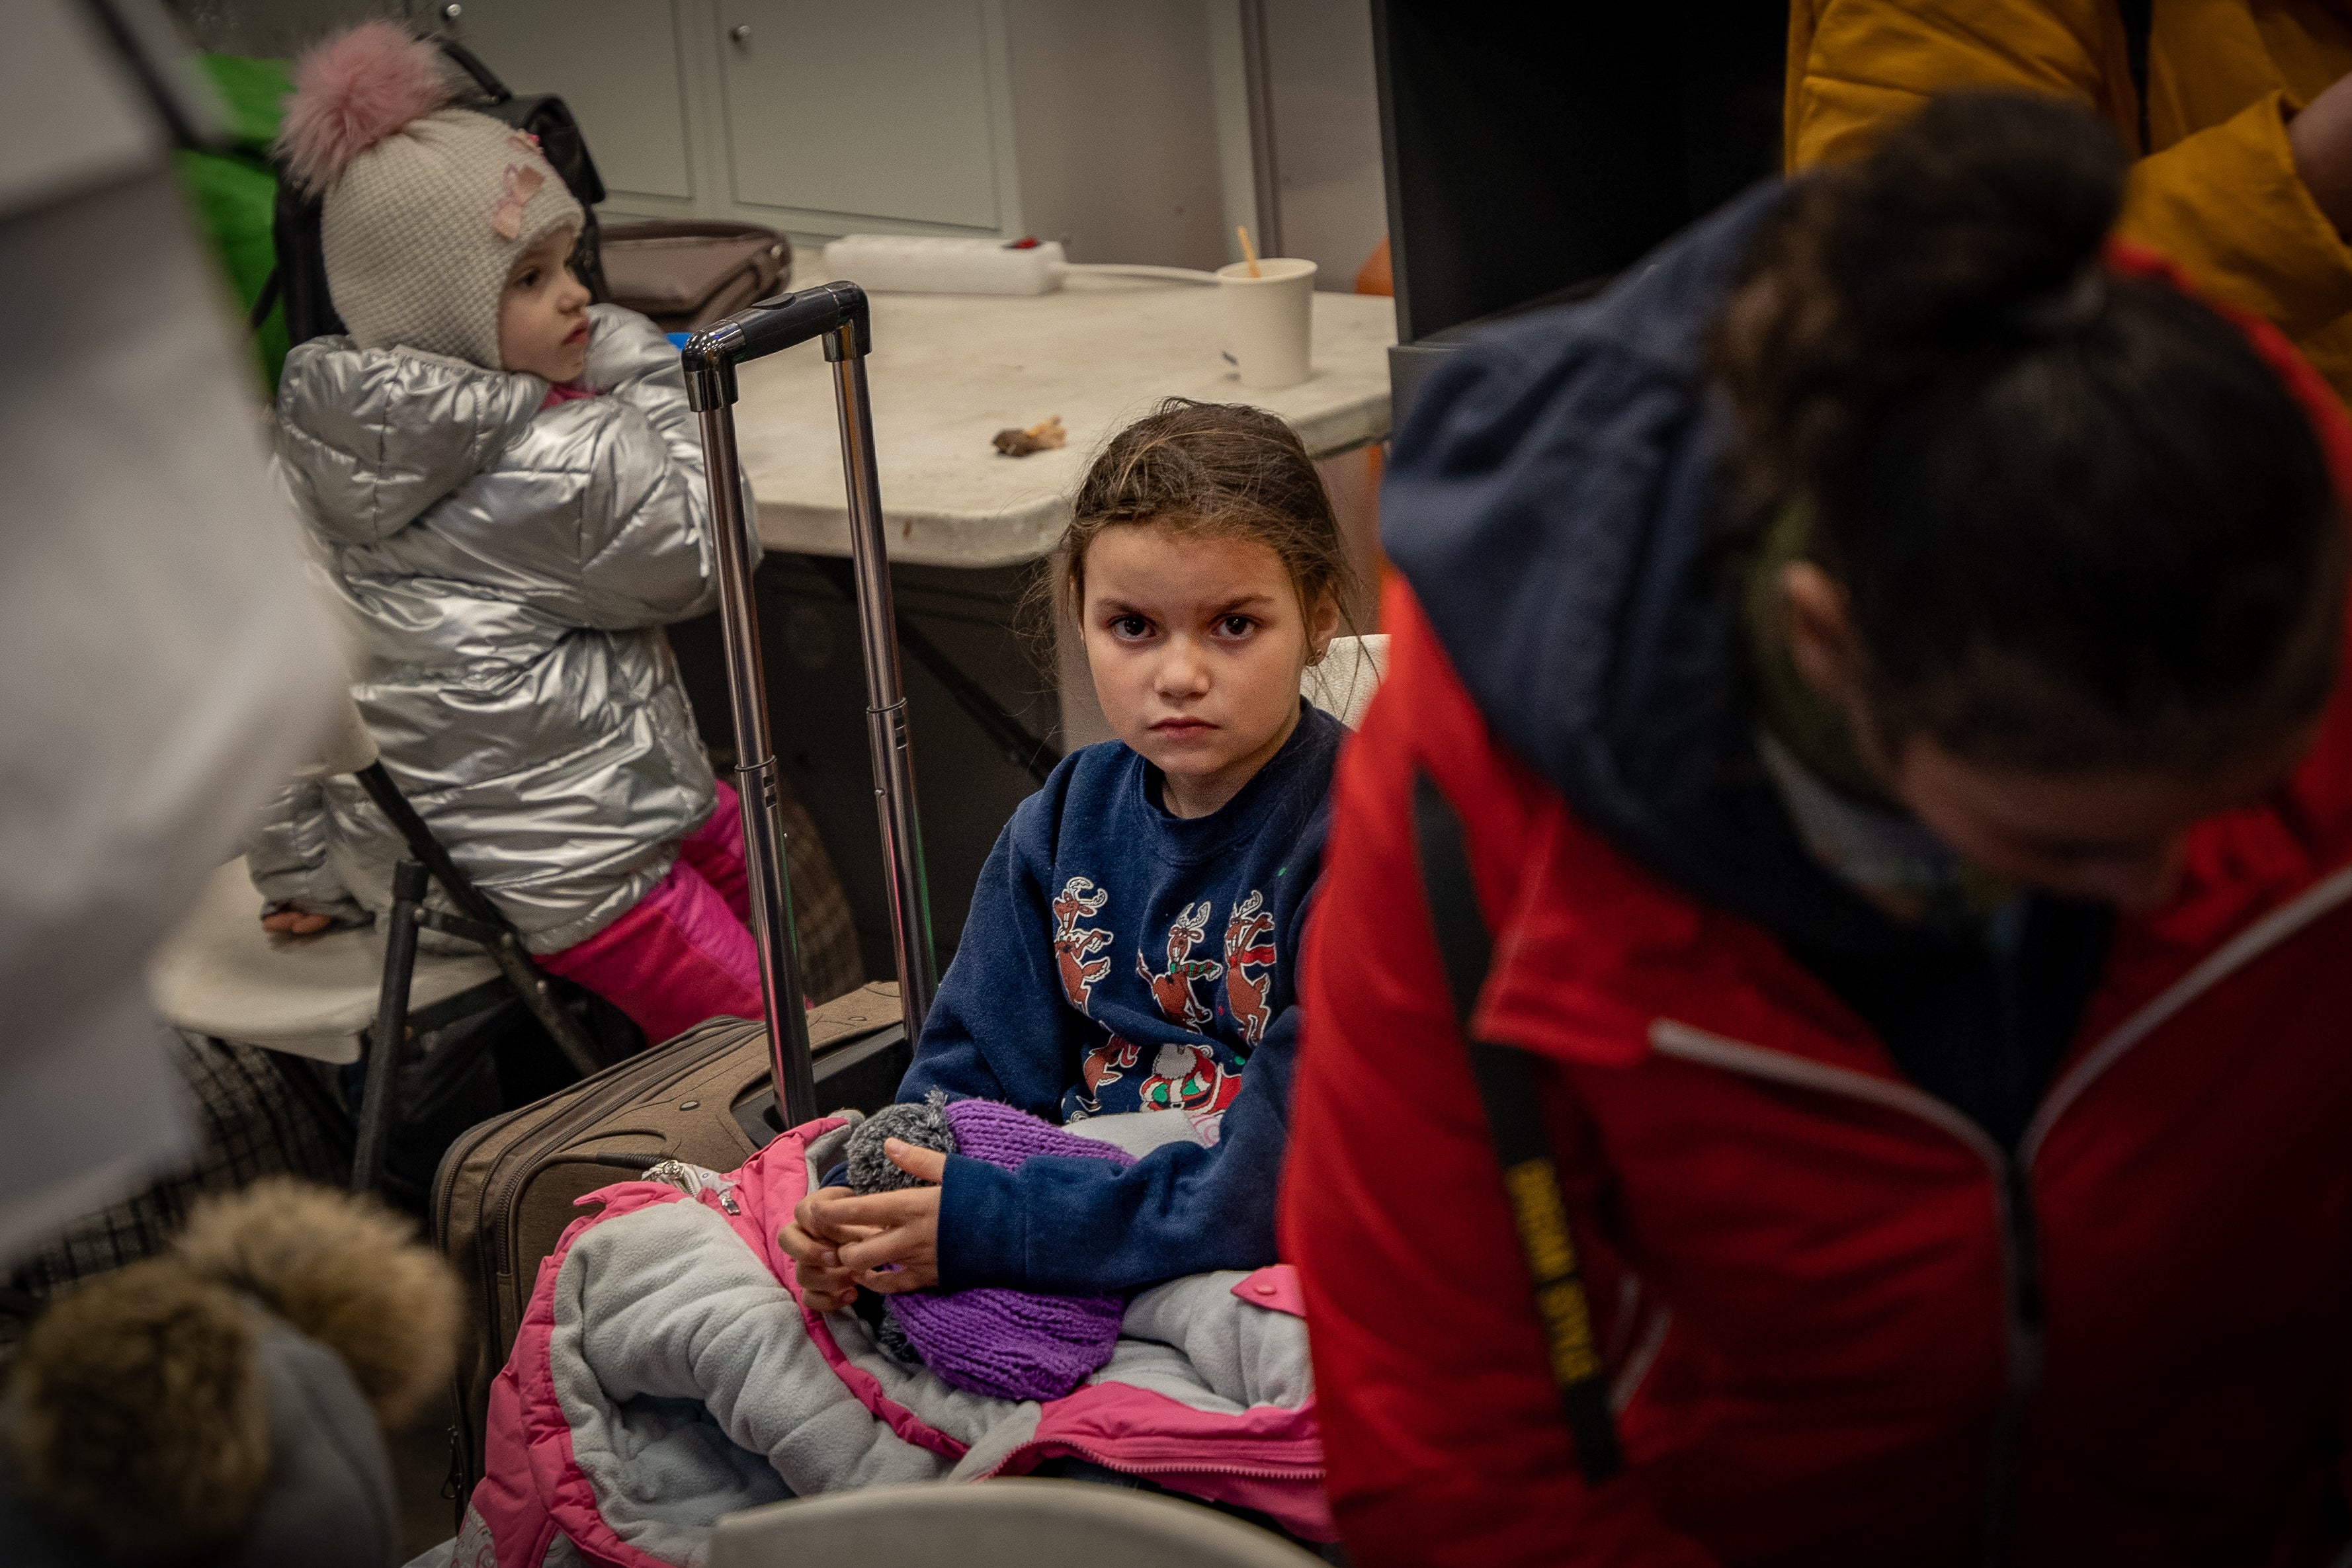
[[508, 1187]]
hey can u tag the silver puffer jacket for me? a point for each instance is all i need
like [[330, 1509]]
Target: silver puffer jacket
[[507, 569]]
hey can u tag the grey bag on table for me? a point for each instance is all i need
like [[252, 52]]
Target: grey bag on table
[[687, 275]]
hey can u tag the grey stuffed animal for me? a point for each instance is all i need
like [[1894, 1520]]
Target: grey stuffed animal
[[922, 1122]]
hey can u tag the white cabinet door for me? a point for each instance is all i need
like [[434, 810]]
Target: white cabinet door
[[619, 64], [890, 109]]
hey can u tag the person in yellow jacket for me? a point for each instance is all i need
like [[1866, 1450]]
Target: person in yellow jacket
[[2246, 173]]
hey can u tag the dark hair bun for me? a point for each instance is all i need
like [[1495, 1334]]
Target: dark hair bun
[[2079, 521], [1968, 221], [1983, 204]]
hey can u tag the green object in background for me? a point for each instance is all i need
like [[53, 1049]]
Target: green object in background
[[234, 190], [254, 92], [234, 199]]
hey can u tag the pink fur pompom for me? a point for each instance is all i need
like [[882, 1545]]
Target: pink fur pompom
[[351, 92]]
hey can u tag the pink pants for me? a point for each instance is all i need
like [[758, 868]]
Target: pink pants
[[684, 953]]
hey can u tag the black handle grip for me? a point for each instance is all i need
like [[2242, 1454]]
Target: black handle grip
[[772, 325]]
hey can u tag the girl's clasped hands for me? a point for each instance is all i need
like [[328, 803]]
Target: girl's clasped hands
[[887, 1241]]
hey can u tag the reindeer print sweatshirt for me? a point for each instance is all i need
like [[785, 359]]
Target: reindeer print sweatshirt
[[1120, 958]]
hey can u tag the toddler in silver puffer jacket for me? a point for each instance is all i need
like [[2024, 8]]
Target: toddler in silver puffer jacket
[[503, 484]]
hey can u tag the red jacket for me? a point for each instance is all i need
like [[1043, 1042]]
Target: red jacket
[[1821, 1291], [1805, 1269]]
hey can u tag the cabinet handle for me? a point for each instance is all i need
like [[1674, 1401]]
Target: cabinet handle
[[740, 32], [452, 11]]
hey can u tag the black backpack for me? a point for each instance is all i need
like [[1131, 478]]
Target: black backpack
[[300, 278]]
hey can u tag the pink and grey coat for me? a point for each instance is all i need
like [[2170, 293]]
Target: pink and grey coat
[[666, 1374]]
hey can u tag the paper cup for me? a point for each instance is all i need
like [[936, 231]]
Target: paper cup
[[1269, 319]]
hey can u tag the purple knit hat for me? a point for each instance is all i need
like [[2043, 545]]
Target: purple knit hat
[[1012, 1345]]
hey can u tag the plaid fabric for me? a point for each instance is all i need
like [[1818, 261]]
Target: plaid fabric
[[830, 965], [251, 1122]]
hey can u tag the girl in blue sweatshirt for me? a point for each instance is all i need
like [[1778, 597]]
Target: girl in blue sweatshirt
[[1134, 936]]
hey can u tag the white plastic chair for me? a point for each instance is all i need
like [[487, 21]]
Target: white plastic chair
[[997, 1524], [335, 997], [221, 974]]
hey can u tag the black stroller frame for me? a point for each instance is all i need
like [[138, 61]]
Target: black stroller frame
[[838, 314]]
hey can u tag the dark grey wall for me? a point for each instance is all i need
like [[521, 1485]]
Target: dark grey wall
[[1530, 156]]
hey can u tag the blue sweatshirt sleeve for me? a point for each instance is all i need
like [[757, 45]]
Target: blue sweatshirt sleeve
[[1079, 1227]]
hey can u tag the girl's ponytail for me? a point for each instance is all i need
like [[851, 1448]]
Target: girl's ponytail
[[2080, 521]]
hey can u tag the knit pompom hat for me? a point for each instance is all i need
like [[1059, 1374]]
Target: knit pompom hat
[[424, 207]]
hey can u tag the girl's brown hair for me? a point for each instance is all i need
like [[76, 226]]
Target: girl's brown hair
[[1220, 469]]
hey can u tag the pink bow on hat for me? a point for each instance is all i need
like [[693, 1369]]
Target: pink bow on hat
[[522, 182]]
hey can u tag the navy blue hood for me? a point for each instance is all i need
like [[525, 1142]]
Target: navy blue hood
[[1553, 500]]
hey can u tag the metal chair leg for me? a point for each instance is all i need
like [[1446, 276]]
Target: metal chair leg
[[389, 1041], [531, 984], [492, 930]]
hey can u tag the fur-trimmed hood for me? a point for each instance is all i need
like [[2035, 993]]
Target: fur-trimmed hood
[[224, 1403]]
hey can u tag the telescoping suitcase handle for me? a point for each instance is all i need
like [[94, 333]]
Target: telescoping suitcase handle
[[837, 313]]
